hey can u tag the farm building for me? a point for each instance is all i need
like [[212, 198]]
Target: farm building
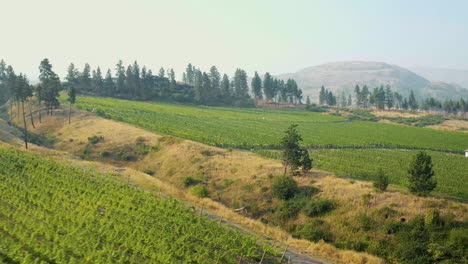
[[466, 153]]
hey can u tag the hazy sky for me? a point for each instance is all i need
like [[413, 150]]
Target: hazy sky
[[275, 36]]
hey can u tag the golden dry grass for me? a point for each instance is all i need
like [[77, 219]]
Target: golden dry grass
[[452, 125], [380, 113]]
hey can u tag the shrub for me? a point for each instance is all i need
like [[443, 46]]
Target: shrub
[[188, 181], [123, 156], [315, 230], [318, 206], [104, 153], [290, 208], [283, 187], [95, 139], [200, 191], [148, 171], [381, 182], [365, 222]]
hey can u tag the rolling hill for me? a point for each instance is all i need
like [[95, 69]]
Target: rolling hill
[[343, 76]]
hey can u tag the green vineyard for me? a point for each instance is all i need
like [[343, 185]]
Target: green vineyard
[[450, 169], [263, 128], [55, 213]]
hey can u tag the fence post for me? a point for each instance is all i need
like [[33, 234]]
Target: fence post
[[284, 253], [263, 256]]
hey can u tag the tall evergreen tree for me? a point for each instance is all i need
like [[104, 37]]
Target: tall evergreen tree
[[85, 78], [225, 87], [257, 86], [241, 88], [120, 73], [322, 96], [190, 73], [389, 97], [268, 89], [215, 79], [97, 82], [412, 103], [50, 83], [109, 86], [73, 75], [357, 92]]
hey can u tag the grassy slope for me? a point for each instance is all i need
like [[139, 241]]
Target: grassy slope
[[113, 216]]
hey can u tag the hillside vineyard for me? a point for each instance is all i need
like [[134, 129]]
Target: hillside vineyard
[[54, 213]]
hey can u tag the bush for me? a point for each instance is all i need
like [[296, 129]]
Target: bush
[[104, 153], [188, 181], [365, 222], [318, 206], [95, 139], [200, 191], [283, 187], [381, 183], [123, 156], [315, 230], [148, 171], [290, 208]]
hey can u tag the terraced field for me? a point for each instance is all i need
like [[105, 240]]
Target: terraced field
[[54, 213], [263, 128]]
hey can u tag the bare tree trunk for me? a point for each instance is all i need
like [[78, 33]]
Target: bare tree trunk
[[25, 128], [69, 114], [40, 115], [31, 114]]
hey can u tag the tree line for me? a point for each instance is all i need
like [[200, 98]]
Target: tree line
[[384, 98], [197, 86]]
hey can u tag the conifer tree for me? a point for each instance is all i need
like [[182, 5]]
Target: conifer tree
[[322, 96], [420, 180], [257, 86], [50, 83]]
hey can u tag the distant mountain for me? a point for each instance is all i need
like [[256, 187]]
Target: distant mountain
[[343, 76], [457, 76]]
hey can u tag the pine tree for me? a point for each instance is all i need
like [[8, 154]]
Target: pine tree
[[73, 75], [364, 100], [109, 87], [389, 97], [215, 79], [322, 96], [50, 83], [190, 72], [120, 73], [420, 181], [350, 101], [85, 78], [241, 88], [225, 87], [294, 156], [357, 91], [268, 86], [257, 86], [412, 103], [198, 87], [97, 82]]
